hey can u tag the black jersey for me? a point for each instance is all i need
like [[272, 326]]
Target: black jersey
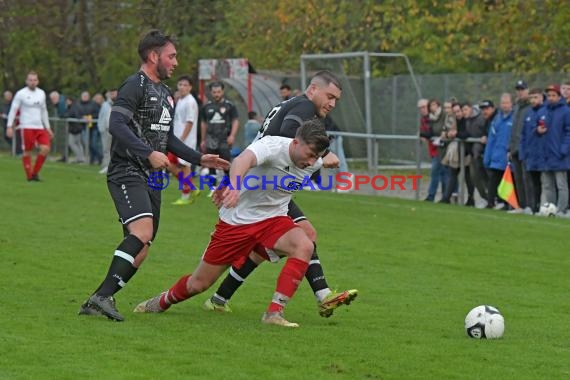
[[286, 117], [150, 108], [219, 118]]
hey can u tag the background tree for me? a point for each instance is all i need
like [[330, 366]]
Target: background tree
[[91, 44]]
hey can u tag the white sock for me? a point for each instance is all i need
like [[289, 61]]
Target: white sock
[[185, 196], [321, 294]]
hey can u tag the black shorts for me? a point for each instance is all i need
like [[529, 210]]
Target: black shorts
[[295, 212], [133, 200]]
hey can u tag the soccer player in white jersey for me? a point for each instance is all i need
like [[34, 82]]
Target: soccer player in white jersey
[[34, 124], [185, 128], [254, 211]]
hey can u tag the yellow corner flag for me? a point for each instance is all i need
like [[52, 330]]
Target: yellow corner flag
[[506, 189]]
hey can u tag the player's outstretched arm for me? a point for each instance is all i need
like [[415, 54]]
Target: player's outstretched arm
[[240, 166]]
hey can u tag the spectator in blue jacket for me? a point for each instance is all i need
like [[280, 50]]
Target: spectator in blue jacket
[[495, 158], [531, 148], [556, 154]]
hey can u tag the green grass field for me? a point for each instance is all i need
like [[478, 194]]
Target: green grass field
[[419, 269]]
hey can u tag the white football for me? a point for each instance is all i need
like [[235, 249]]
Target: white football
[[484, 322], [548, 209]]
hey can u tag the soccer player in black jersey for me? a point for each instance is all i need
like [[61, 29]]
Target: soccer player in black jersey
[[219, 125], [141, 126], [284, 119]]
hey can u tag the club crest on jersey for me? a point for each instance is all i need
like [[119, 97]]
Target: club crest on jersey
[[222, 110], [170, 101]]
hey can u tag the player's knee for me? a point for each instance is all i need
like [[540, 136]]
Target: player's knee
[[304, 249], [44, 149], [309, 229], [143, 235]]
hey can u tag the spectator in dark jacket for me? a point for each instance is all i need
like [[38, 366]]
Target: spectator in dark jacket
[[519, 176], [556, 154], [496, 151], [457, 130], [475, 128], [87, 110], [531, 148]]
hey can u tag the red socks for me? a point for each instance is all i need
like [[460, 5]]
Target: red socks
[[287, 283], [27, 161], [40, 159], [177, 293]]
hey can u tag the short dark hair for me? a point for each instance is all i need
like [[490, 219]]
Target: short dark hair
[[535, 90], [251, 115], [285, 86], [326, 77], [466, 104], [313, 132], [434, 101], [153, 40], [216, 84], [186, 78]]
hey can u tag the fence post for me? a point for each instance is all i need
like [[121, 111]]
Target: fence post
[[460, 180]]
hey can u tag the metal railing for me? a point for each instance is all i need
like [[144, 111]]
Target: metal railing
[[374, 141], [61, 126]]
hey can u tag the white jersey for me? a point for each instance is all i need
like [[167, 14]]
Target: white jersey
[[266, 189], [186, 111], [32, 107]]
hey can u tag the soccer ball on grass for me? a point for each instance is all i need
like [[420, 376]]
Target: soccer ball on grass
[[484, 322], [548, 209]]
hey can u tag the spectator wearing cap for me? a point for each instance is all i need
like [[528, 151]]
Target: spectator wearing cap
[[522, 105], [432, 149], [439, 172], [556, 154], [495, 158], [475, 128], [531, 147]]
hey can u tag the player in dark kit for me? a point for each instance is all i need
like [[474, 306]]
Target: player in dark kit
[[219, 126], [284, 119], [141, 126]]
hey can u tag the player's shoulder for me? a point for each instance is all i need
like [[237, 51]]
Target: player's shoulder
[[274, 141], [228, 103], [300, 104], [134, 82], [21, 92]]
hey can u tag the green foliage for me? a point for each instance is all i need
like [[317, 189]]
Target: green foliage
[[91, 44], [419, 268]]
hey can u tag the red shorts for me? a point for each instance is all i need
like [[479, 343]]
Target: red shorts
[[229, 243], [33, 137], [172, 158]]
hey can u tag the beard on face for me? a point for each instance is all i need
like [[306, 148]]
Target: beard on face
[[162, 71]]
